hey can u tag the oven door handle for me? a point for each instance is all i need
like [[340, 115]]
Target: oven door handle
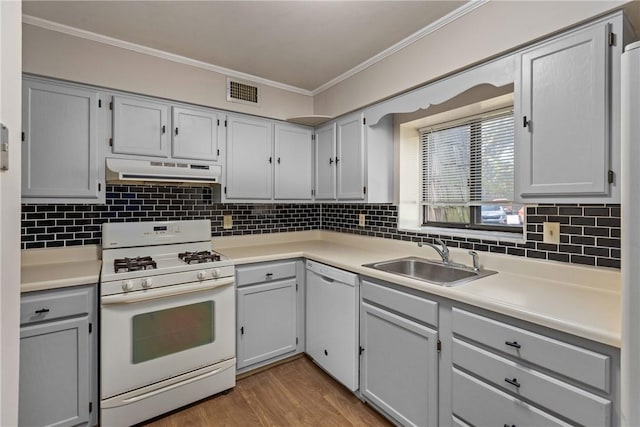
[[165, 292]]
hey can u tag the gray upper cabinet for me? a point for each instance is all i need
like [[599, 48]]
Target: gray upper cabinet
[[140, 127], [195, 134], [61, 156], [350, 158], [564, 110], [326, 162], [249, 158], [293, 167]]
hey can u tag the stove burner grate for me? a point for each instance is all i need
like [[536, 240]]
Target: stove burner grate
[[122, 265], [199, 257]]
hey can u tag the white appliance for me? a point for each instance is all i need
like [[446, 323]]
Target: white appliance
[[332, 321], [167, 306], [630, 267]]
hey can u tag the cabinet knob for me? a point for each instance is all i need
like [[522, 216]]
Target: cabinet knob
[[330, 160], [164, 129], [326, 353], [176, 131]]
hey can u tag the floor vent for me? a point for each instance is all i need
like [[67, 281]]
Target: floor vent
[[242, 92]]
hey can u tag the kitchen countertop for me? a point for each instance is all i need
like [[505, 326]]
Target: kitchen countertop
[[580, 300], [43, 269]]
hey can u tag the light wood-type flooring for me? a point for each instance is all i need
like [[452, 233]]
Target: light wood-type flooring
[[296, 393]]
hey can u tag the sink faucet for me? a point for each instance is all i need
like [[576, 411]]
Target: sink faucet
[[444, 252], [476, 262]]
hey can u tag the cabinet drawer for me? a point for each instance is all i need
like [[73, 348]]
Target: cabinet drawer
[[557, 396], [583, 365], [479, 404], [265, 272], [407, 304], [49, 305]]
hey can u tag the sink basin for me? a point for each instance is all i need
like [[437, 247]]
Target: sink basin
[[430, 271]]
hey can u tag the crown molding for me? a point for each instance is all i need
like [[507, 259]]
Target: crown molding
[[434, 26], [65, 29], [77, 32]]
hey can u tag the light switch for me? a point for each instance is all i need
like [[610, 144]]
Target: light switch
[[227, 222], [551, 232], [362, 220]]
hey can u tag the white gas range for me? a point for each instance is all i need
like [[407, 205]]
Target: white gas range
[[167, 319]]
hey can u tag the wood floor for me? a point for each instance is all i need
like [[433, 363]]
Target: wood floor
[[296, 393]]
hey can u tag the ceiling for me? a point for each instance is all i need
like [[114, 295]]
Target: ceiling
[[303, 44]]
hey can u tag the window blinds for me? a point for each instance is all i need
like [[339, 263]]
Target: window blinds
[[469, 162]]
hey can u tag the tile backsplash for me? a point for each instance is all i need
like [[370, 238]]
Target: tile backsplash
[[589, 234]]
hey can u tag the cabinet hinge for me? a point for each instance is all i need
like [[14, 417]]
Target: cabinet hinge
[[296, 287], [110, 142], [611, 177], [111, 105], [296, 340], [242, 330], [612, 39], [99, 103], [439, 346], [313, 137], [361, 350], [364, 120], [22, 136], [90, 407], [364, 189], [90, 327], [313, 192]]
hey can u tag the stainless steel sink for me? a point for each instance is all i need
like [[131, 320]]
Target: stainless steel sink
[[430, 271]]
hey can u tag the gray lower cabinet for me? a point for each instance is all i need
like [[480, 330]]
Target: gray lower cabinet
[[58, 358], [268, 313], [399, 361]]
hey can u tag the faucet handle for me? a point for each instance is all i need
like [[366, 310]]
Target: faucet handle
[[476, 261]]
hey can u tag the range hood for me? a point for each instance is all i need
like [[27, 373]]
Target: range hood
[[119, 170]]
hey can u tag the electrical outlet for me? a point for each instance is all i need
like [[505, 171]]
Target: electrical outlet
[[362, 220], [227, 222], [551, 232]]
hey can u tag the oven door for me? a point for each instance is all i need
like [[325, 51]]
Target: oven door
[[152, 335]]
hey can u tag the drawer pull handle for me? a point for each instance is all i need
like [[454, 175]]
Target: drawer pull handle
[[268, 275], [42, 311], [514, 382], [513, 344], [509, 425], [326, 353]]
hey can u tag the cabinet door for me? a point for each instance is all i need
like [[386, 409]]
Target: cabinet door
[[195, 134], [266, 321], [332, 338], [249, 158], [54, 373], [293, 167], [326, 163], [563, 134], [140, 127], [399, 367], [350, 158], [60, 153]]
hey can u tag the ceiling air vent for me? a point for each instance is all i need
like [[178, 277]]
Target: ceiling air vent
[[242, 92]]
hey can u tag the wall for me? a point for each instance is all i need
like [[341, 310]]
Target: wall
[[55, 225], [489, 30], [589, 234], [10, 108], [54, 54]]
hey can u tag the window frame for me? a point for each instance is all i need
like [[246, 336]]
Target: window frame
[[475, 151]]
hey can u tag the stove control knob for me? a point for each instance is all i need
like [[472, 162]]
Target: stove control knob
[[127, 285], [202, 275], [215, 273], [146, 283]]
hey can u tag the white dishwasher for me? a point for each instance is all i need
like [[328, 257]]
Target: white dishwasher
[[332, 321]]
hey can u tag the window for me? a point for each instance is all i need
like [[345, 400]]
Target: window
[[468, 174]]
